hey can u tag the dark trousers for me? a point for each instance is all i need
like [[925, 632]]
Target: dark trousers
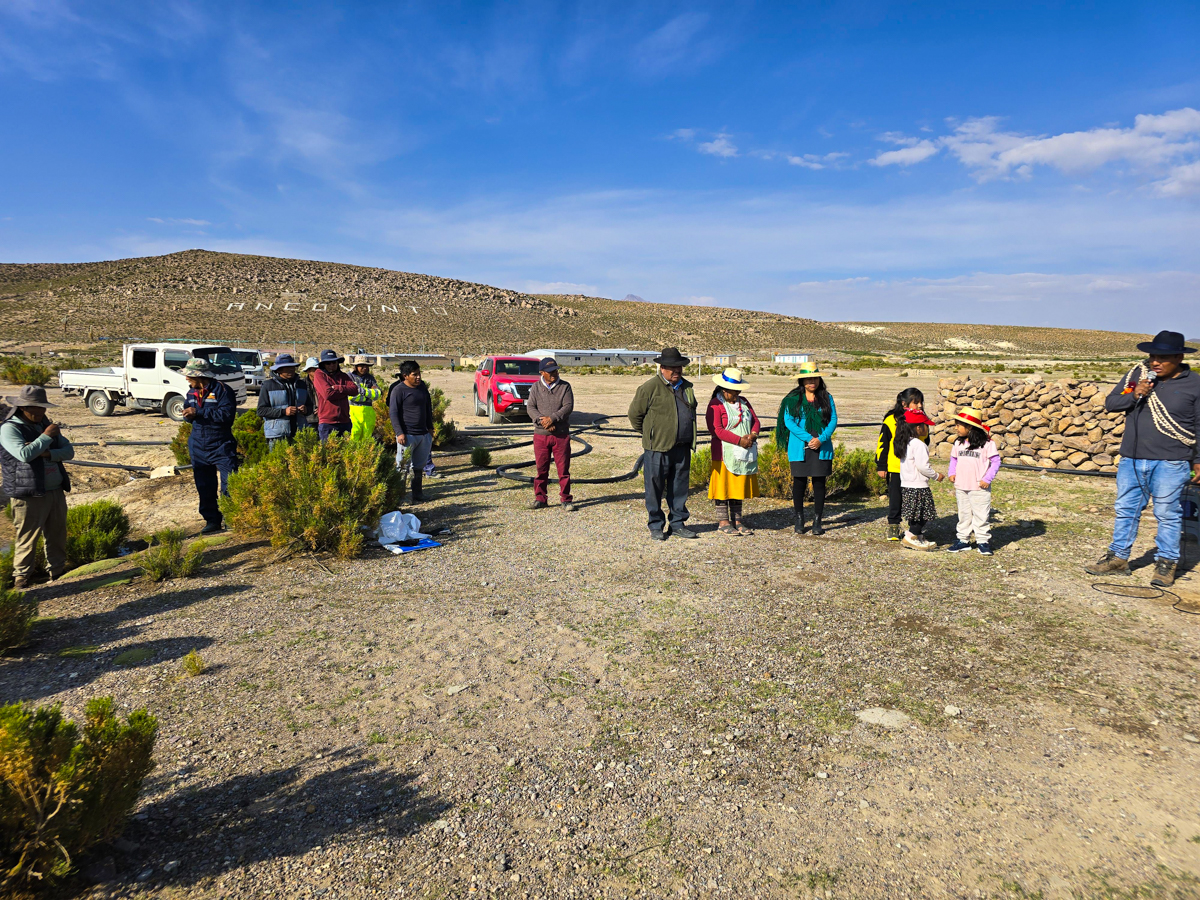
[[207, 477], [800, 488], [667, 474], [324, 430], [893, 489], [544, 447]]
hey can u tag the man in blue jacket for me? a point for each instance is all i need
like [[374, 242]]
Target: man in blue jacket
[[211, 408]]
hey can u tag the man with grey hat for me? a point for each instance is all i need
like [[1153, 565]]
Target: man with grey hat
[[32, 450], [663, 411], [211, 407], [284, 401], [1159, 455]]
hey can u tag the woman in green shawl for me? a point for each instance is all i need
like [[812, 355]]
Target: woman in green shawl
[[804, 428]]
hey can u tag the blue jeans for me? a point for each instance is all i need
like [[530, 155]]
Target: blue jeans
[[325, 430], [1138, 482]]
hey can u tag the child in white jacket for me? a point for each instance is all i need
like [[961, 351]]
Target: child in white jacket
[[916, 499]]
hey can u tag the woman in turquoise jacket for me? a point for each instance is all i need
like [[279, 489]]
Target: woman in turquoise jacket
[[807, 420]]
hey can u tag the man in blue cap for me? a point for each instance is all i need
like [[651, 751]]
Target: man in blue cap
[[284, 401], [1161, 402]]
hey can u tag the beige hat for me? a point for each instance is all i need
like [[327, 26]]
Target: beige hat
[[361, 361], [968, 415], [808, 370], [731, 380]]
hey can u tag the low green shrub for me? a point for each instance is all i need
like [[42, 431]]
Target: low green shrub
[[443, 432], [701, 467], [481, 457], [247, 431], [16, 371], [61, 791], [17, 612], [166, 558], [251, 442], [95, 531], [774, 471], [179, 444], [319, 494], [7, 558], [855, 472], [193, 664]]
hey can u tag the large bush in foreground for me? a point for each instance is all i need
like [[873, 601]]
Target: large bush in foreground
[[62, 791], [443, 432], [317, 494], [95, 531]]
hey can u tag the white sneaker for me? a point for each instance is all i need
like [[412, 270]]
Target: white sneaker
[[917, 543]]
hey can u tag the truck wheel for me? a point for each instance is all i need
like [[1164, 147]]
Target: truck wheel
[[480, 410], [100, 403], [494, 417], [173, 408]]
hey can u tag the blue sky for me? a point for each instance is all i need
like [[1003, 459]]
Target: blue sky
[[1035, 164]]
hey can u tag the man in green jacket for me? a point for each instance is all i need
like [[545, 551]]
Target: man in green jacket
[[663, 411]]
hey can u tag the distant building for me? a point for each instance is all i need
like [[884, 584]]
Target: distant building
[[724, 360], [791, 357], [426, 360], [613, 356]]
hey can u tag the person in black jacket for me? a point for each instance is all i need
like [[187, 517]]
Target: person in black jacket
[[284, 401], [211, 407], [411, 410]]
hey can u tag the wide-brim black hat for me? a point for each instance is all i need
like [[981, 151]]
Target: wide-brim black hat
[[671, 357], [1166, 343]]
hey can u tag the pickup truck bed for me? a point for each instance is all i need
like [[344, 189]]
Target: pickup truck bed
[[104, 377]]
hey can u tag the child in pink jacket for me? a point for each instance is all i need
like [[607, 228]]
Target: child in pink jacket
[[974, 462]]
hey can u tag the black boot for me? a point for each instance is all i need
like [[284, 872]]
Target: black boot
[[417, 496], [818, 506], [800, 519]]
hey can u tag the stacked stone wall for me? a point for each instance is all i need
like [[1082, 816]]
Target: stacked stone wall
[[1058, 424]]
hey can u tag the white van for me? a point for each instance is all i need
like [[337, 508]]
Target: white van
[[150, 378]]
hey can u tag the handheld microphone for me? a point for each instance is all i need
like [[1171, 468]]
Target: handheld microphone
[[1150, 377]]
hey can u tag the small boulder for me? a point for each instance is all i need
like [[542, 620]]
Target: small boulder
[[885, 718]]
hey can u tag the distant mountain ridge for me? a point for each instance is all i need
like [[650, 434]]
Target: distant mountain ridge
[[204, 295]]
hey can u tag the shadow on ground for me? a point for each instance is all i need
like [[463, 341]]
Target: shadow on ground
[[253, 818]]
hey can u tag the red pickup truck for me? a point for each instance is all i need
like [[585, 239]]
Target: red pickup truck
[[502, 386]]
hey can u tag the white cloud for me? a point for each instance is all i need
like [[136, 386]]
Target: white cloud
[[919, 151], [682, 134], [1072, 300], [559, 287], [813, 161], [676, 45], [1181, 181], [721, 146], [1156, 143], [747, 249], [161, 221]]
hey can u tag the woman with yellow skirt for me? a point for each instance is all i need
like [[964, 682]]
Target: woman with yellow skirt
[[734, 427]]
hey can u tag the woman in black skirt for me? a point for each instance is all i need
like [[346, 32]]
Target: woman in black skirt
[[806, 421]]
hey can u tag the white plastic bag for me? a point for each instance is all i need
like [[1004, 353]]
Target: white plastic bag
[[395, 527]]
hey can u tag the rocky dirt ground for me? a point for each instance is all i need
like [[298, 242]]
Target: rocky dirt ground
[[550, 705]]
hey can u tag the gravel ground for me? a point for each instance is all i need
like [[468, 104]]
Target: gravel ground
[[551, 705]]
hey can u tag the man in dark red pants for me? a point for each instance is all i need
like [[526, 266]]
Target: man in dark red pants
[[550, 403]]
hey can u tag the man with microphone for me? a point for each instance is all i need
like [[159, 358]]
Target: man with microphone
[[1161, 402]]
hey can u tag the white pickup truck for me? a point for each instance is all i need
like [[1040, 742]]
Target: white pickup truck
[[151, 378]]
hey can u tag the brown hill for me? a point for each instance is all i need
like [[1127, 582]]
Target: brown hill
[[201, 295]]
